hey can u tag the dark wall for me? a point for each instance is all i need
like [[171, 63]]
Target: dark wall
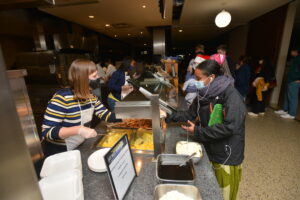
[[19, 28], [265, 34]]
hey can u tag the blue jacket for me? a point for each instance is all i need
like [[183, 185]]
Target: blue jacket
[[242, 79], [116, 82]]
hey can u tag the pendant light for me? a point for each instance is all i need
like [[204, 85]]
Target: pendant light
[[223, 19]]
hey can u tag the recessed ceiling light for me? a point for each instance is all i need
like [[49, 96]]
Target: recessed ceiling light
[[141, 32], [91, 16], [180, 30], [144, 6], [107, 25], [145, 44], [116, 35], [128, 34]]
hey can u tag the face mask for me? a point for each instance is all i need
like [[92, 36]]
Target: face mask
[[94, 83], [199, 85]]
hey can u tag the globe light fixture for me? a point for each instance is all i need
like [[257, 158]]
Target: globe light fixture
[[223, 19]]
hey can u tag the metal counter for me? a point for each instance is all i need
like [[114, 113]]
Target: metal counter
[[23, 106]]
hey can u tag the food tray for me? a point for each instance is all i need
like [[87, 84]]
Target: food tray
[[198, 156], [139, 139], [188, 190], [173, 159]]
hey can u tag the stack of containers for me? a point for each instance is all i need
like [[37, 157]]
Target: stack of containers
[[62, 177]]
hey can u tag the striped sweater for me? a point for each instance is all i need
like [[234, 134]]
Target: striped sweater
[[64, 111]]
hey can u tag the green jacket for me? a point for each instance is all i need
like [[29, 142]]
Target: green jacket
[[294, 70]]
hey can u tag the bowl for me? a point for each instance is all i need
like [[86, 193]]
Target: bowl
[[169, 171], [187, 190], [188, 148]]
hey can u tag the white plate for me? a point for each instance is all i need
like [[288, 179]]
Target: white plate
[[96, 160]]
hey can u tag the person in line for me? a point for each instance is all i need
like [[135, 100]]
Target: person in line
[[224, 142], [242, 76], [222, 49], [189, 87], [263, 82], [199, 57], [110, 69], [221, 60], [116, 83], [101, 80], [68, 115], [292, 91]]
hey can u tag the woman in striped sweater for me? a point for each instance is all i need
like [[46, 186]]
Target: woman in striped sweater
[[69, 112]]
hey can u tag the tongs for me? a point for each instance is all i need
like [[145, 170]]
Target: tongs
[[185, 161]]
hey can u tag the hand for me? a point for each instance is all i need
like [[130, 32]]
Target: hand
[[162, 113], [87, 132], [190, 128], [126, 87]]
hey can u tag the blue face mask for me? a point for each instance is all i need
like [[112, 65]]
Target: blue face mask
[[199, 85]]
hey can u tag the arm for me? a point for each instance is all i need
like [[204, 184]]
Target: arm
[[112, 83], [186, 84], [184, 116], [104, 114], [54, 115], [235, 118]]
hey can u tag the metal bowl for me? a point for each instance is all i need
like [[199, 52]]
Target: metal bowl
[[188, 190], [174, 159], [196, 159]]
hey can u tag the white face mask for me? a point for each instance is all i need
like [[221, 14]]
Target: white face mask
[[199, 85]]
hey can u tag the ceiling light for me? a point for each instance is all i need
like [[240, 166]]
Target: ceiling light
[[115, 35], [145, 44], [223, 19], [141, 32], [180, 30], [107, 25], [144, 6], [91, 16], [128, 34]]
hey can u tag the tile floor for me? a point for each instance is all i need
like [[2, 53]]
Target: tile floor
[[271, 169]]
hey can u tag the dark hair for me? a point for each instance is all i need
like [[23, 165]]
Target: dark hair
[[125, 65], [222, 47], [210, 67], [245, 59], [200, 46]]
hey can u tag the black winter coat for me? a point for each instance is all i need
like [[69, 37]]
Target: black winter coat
[[225, 141]]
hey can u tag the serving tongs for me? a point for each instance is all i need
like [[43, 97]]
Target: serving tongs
[[186, 160]]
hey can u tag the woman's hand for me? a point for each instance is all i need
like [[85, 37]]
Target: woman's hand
[[190, 128], [87, 132], [126, 87]]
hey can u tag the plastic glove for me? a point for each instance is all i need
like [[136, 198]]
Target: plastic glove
[[87, 132], [162, 113]]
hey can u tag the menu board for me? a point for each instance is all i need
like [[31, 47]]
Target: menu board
[[120, 167]]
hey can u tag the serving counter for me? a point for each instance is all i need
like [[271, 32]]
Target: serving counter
[[97, 185]]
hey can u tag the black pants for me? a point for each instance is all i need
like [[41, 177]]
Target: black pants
[[258, 106]]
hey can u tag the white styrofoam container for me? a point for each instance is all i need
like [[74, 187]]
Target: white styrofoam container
[[62, 186], [61, 162]]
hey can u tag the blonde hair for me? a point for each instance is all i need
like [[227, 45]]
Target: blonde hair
[[78, 76]]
